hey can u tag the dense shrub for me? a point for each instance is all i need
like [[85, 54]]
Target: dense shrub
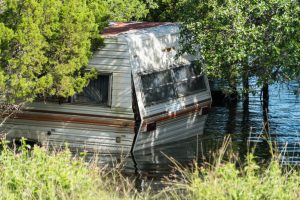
[[41, 174]]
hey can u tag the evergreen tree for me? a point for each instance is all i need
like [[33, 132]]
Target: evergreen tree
[[45, 45]]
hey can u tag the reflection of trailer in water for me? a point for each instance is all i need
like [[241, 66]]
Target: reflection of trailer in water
[[142, 97]]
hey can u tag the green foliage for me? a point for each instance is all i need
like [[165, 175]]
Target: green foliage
[[224, 180], [234, 37], [40, 174], [214, 29], [166, 11], [45, 45], [274, 29], [127, 10], [227, 182]]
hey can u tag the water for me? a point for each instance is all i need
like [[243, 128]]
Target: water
[[243, 126]]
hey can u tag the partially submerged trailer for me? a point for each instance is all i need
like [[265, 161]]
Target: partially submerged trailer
[[143, 96]]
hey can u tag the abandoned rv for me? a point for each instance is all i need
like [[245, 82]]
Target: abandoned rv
[[142, 97]]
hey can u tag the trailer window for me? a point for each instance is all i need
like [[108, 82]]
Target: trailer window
[[179, 81], [158, 87], [97, 92], [188, 80]]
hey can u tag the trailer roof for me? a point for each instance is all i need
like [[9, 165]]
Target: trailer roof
[[116, 28]]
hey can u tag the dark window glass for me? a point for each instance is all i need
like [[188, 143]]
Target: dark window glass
[[185, 72], [162, 86], [191, 86], [156, 79], [180, 73], [188, 80], [158, 87], [96, 92]]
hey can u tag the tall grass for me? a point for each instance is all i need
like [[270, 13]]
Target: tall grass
[[229, 179], [42, 174]]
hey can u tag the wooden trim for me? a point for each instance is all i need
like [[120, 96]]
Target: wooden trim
[[118, 123]]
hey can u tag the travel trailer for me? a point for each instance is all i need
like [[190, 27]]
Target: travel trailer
[[144, 96]]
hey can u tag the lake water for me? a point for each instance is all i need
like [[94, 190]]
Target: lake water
[[244, 127]]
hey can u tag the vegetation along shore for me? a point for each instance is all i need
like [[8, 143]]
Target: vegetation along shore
[[39, 173]]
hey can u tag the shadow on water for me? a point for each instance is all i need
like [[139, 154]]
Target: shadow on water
[[244, 122]]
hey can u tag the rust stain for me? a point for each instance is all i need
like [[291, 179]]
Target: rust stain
[[76, 114], [120, 27], [164, 116], [118, 123]]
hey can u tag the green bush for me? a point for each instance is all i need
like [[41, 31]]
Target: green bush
[[41, 174]]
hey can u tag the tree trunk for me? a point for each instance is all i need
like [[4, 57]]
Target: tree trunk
[[265, 91], [231, 121], [233, 98], [246, 86]]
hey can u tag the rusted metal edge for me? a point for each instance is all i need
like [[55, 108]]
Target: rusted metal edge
[[75, 114], [120, 27], [118, 123], [163, 116]]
